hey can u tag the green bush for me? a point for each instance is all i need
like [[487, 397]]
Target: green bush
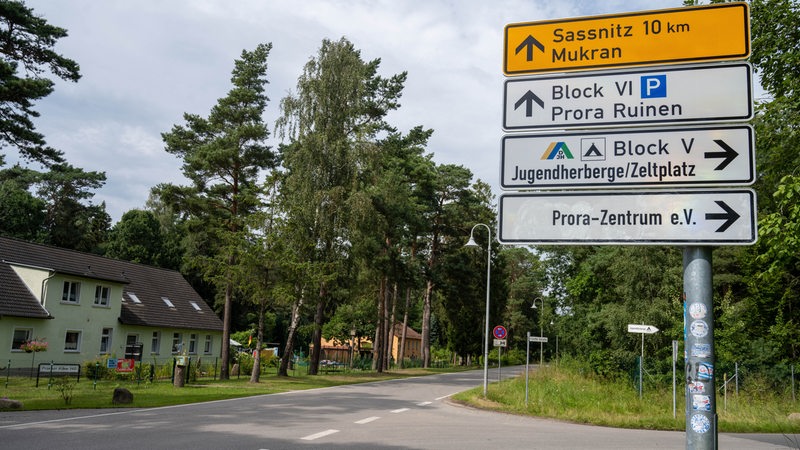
[[66, 387], [96, 369], [612, 363]]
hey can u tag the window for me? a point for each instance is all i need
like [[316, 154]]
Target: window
[[21, 335], [167, 302], [195, 305], [134, 297], [192, 343], [207, 345], [155, 342], [72, 341], [101, 295], [177, 343], [72, 292], [105, 340]]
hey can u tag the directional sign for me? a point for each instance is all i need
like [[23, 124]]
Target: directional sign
[[657, 217], [537, 339], [705, 33], [500, 332], [646, 329], [709, 156], [686, 94]]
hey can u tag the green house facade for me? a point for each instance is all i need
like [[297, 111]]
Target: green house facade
[[87, 307]]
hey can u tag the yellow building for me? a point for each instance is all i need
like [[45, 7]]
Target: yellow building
[[341, 352]]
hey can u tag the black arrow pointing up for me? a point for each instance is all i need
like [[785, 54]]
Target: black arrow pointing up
[[528, 44], [729, 216], [728, 153], [528, 100]]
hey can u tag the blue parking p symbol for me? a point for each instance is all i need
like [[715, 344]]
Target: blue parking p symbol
[[654, 86]]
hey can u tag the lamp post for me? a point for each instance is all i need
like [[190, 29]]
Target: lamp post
[[541, 330], [472, 243]]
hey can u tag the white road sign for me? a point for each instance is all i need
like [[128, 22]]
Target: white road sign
[[709, 156], [537, 339], [657, 217], [500, 342], [646, 329], [688, 94]]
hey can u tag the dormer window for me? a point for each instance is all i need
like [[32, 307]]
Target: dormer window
[[167, 302], [134, 297]]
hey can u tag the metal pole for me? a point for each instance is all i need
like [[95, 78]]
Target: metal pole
[[674, 383], [499, 363], [701, 402], [541, 334], [528, 362], [641, 362], [471, 243]]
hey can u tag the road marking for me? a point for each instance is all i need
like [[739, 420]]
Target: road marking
[[400, 410], [445, 396], [424, 403], [367, 420], [311, 437]]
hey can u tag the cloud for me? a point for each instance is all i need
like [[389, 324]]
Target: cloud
[[147, 62]]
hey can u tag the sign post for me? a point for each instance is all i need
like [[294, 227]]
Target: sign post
[[636, 38], [649, 217], [644, 96], [634, 157], [642, 329], [710, 155]]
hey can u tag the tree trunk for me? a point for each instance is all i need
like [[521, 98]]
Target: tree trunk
[[377, 345], [390, 330], [426, 325], [288, 350], [224, 373], [405, 327], [255, 375], [316, 335]]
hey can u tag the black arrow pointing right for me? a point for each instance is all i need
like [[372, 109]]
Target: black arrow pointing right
[[528, 100], [729, 216], [728, 153], [528, 44]]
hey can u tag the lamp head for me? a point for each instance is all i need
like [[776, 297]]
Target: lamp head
[[471, 242]]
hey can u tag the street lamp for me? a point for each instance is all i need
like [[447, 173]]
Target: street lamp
[[541, 328], [472, 243]]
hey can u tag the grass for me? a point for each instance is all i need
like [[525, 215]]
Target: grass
[[566, 394], [88, 395]]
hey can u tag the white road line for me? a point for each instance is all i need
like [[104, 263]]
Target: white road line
[[400, 410], [311, 437], [367, 420], [445, 396], [424, 403]]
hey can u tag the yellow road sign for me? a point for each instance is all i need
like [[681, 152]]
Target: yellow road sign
[[680, 35]]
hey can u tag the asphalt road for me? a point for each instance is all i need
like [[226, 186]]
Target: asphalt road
[[399, 414]]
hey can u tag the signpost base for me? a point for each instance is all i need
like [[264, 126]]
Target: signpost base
[[701, 403]]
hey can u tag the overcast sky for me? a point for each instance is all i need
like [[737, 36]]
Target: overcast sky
[[146, 62]]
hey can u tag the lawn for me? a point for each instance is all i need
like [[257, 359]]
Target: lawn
[[66, 393], [567, 394]]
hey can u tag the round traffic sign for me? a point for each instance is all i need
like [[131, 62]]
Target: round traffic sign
[[500, 332]]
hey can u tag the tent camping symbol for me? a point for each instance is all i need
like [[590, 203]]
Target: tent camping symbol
[[593, 149]]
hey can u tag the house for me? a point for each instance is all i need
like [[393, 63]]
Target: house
[[86, 307], [337, 351]]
